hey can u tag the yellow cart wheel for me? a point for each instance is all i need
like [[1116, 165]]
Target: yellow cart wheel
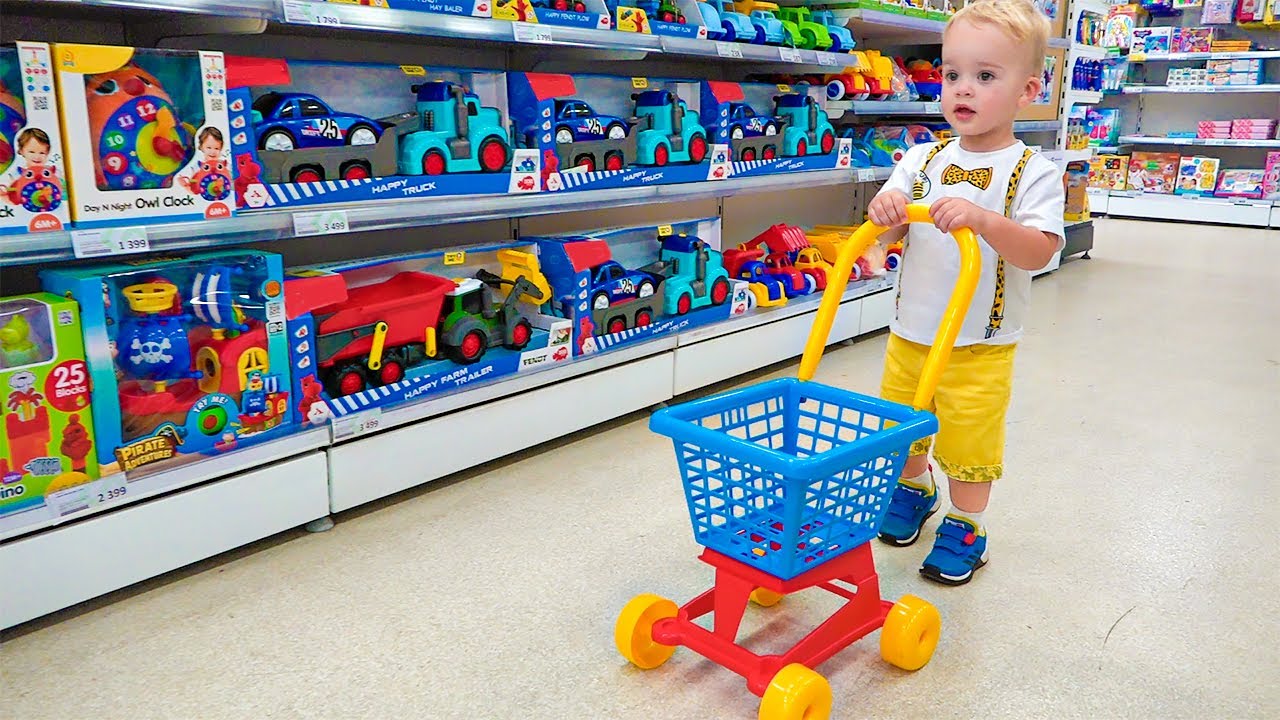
[[765, 598], [633, 634], [910, 633], [796, 693]]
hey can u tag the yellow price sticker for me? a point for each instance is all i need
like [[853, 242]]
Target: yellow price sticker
[[664, 231], [455, 258], [640, 83], [784, 88], [413, 70]]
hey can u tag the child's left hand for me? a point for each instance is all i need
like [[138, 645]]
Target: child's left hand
[[951, 213]]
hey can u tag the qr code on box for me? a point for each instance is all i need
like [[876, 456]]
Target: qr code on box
[[215, 105], [41, 103]]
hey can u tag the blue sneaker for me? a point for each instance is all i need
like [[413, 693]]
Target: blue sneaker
[[959, 550], [909, 508]]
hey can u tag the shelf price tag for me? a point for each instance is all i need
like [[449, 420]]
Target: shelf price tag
[[305, 12], [827, 59], [728, 50], [528, 33], [112, 487], [790, 55], [110, 241], [866, 174], [933, 108], [323, 222], [458, 257], [1216, 141], [357, 424]]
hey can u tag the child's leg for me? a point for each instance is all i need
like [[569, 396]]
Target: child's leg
[[972, 399], [916, 496]]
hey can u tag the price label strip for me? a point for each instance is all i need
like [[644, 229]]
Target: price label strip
[[729, 50], [528, 33], [866, 174], [933, 108], [323, 222], [109, 241], [361, 423], [305, 12], [790, 55], [827, 59]]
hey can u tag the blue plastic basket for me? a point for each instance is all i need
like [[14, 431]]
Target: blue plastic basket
[[786, 475]]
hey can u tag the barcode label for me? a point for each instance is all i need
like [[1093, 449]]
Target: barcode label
[[109, 241], [866, 174]]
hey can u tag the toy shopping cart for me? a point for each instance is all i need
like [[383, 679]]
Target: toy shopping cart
[[787, 482]]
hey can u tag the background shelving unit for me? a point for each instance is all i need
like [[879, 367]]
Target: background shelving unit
[[180, 516]]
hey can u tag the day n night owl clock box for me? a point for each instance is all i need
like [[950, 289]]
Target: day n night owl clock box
[[33, 191], [150, 134]]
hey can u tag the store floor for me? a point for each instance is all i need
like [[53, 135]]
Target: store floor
[[1133, 571]]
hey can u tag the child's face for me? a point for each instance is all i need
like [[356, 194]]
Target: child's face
[[34, 152], [211, 146], [986, 80]]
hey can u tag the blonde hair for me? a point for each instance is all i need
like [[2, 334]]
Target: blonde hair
[[1021, 20]]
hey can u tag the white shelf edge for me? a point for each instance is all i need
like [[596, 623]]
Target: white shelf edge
[[1198, 89], [794, 307], [1199, 142], [1083, 97], [1178, 57]]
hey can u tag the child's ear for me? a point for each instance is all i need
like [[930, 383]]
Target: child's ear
[[1031, 90]]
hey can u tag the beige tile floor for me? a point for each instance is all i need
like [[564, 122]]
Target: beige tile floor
[[1134, 569]]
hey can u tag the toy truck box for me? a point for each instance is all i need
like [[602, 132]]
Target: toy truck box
[[187, 355], [47, 458], [672, 18], [311, 133], [627, 285], [146, 133], [33, 194], [389, 330], [592, 14], [593, 132], [773, 129], [464, 8]]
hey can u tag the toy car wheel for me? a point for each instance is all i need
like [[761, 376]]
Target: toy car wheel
[[796, 693], [493, 155], [305, 175], [433, 163], [616, 131], [810, 285], [759, 38], [616, 325], [613, 161], [835, 90], [835, 45], [667, 16], [564, 136], [579, 7], [660, 155], [684, 304], [633, 633], [644, 317], [356, 171], [736, 133], [729, 34], [719, 291], [390, 372], [856, 273], [521, 334], [471, 348], [892, 260], [362, 135], [278, 140], [828, 142], [697, 148], [802, 148], [586, 162], [680, 19], [770, 130], [349, 380], [644, 290], [749, 154], [770, 152], [600, 301], [910, 633]]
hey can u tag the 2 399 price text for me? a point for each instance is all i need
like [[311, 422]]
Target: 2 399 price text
[[112, 494]]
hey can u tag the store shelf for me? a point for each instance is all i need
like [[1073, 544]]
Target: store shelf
[[266, 9], [881, 26], [1195, 89], [1177, 57], [1223, 211], [1110, 149], [1083, 97], [1208, 142], [1060, 43], [1029, 126], [268, 225], [884, 107], [1090, 51], [694, 47], [1099, 200], [1275, 216]]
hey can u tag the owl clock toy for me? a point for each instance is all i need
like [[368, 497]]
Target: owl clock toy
[[154, 123], [32, 194]]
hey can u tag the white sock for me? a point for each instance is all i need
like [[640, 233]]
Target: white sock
[[973, 517], [923, 480]]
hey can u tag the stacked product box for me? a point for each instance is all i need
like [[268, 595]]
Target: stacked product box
[[1271, 176], [1241, 183], [33, 193], [1253, 129], [591, 132], [673, 18], [1154, 172], [1197, 176], [312, 133], [1187, 77], [1109, 172], [772, 129], [628, 285], [593, 14], [466, 8], [1234, 72]]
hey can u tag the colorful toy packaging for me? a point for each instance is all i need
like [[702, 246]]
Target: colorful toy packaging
[[1217, 12], [592, 14], [471, 8], [147, 133], [1271, 176], [598, 131], [1197, 176], [773, 129], [419, 132], [1155, 41], [378, 332], [1075, 184], [1109, 172], [1103, 126], [187, 355], [627, 285], [1121, 21], [673, 18], [1243, 183], [33, 196], [47, 458], [1154, 172]]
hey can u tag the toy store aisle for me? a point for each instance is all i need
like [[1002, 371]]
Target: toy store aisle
[[1131, 550]]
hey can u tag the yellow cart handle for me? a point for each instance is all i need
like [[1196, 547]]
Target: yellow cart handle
[[952, 317]]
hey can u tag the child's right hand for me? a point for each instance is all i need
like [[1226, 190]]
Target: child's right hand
[[888, 209]]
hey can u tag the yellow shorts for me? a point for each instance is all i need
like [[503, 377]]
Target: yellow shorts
[[971, 401]]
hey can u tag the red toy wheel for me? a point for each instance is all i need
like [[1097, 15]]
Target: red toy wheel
[[697, 148], [667, 17], [391, 372], [586, 162], [828, 142], [579, 7], [749, 154], [433, 163], [307, 175], [616, 325], [356, 171], [493, 155], [472, 346], [350, 383], [770, 152], [613, 161], [680, 20], [719, 291], [520, 335], [802, 148], [660, 155], [684, 304], [562, 4], [643, 318]]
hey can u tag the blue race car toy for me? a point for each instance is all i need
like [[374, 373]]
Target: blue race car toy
[[576, 121], [288, 121], [610, 283], [744, 122]]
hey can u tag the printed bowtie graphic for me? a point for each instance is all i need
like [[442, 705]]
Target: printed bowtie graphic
[[954, 175]]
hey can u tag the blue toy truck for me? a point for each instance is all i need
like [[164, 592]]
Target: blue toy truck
[[695, 274], [670, 130], [808, 130], [452, 133]]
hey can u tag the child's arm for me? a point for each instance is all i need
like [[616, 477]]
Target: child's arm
[[889, 207]]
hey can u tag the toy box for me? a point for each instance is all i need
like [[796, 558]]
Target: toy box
[[1217, 12], [378, 332], [600, 131], [1197, 176], [47, 458], [1121, 21], [673, 18], [1109, 172], [628, 285], [1193, 39], [1245, 183], [187, 355], [593, 14], [773, 129], [1075, 184], [466, 8], [33, 197], [1154, 172], [310, 133], [1103, 126], [1271, 176], [1155, 41], [146, 134]]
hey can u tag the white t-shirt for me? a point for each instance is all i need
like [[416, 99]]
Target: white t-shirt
[[931, 260]]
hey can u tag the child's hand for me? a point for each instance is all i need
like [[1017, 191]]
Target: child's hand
[[951, 213], [888, 209]]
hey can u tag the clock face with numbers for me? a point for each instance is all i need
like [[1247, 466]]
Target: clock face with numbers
[[37, 189], [139, 149]]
